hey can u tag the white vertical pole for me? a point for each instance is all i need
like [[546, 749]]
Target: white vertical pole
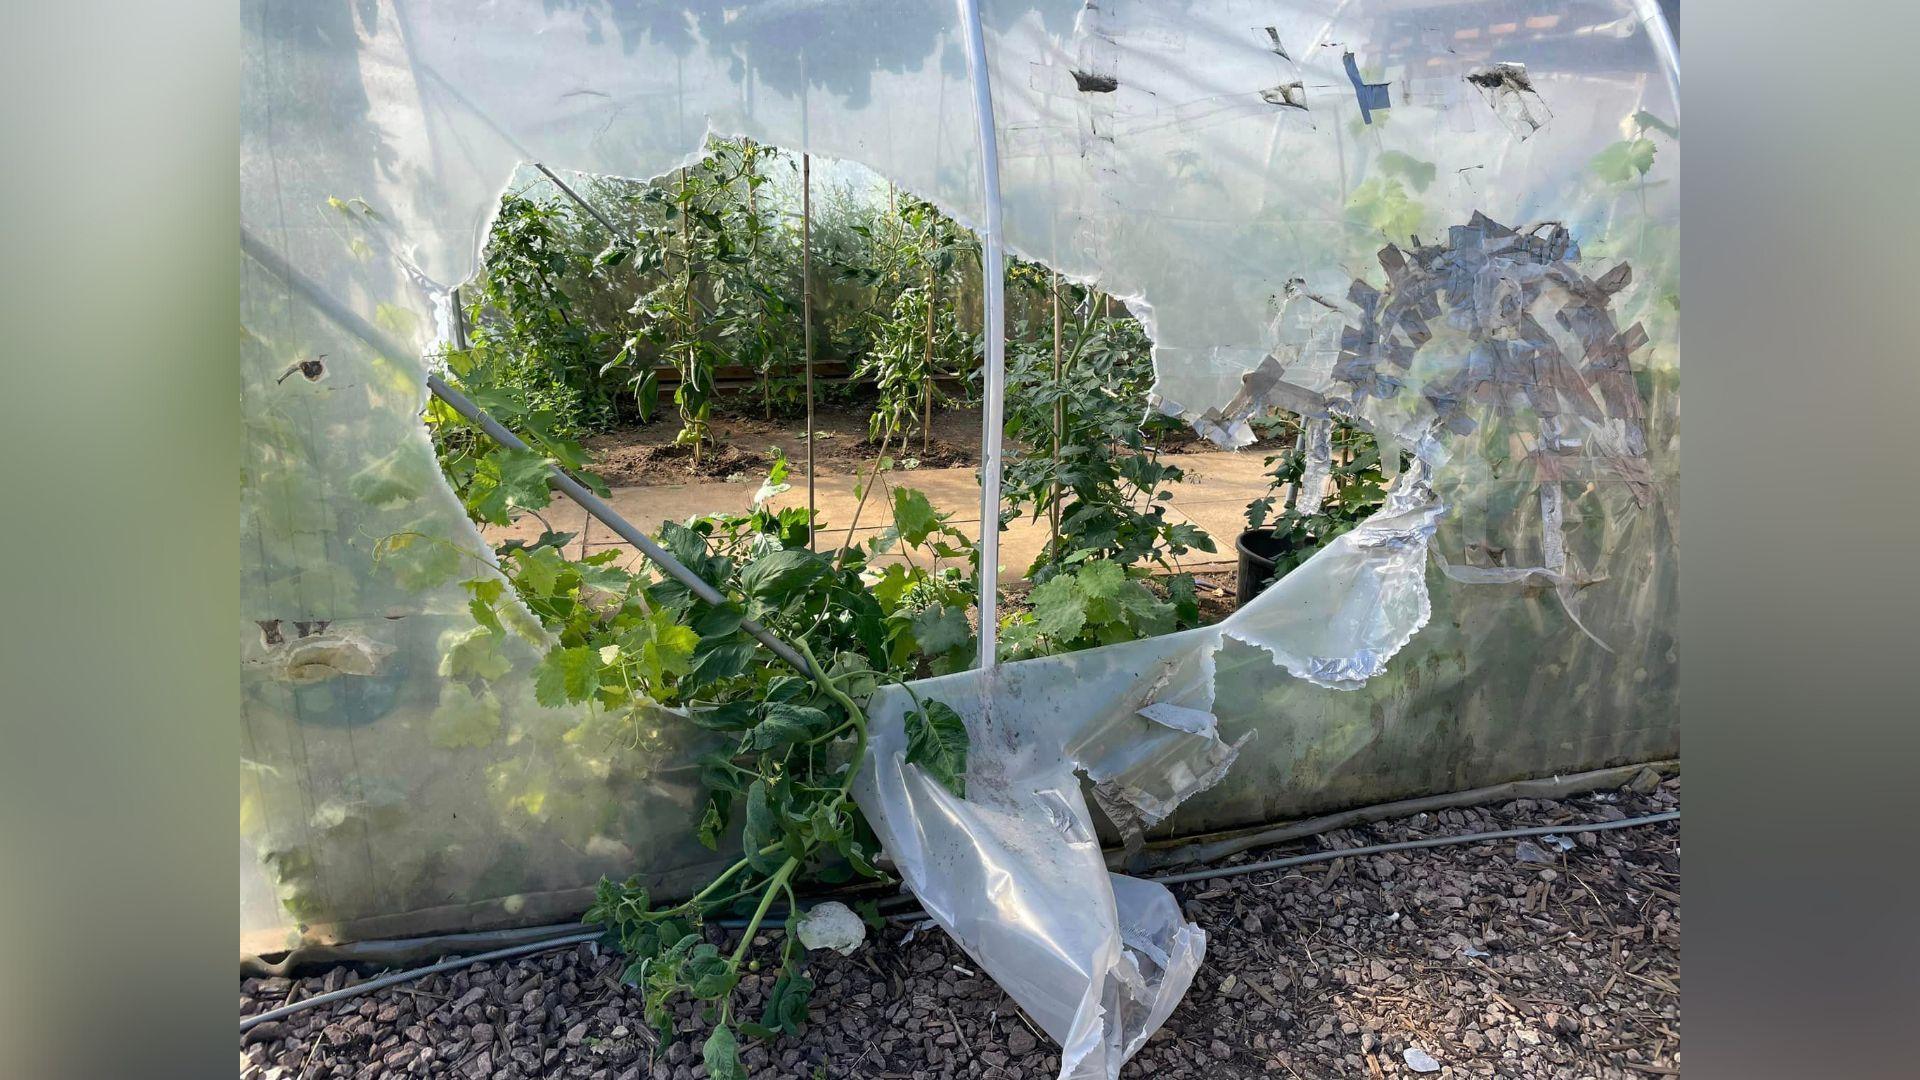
[[992, 287]]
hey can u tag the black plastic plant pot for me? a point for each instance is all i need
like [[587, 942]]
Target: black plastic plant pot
[[1259, 549]]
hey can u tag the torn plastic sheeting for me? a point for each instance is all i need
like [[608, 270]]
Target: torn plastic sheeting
[[1181, 189], [323, 656], [1013, 871], [1338, 618], [1509, 91], [1317, 436]]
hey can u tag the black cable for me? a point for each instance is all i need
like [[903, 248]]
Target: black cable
[[1408, 845]]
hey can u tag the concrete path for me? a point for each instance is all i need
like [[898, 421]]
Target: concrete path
[[1214, 496]]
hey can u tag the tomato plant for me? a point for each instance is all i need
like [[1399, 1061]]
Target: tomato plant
[[1106, 484]]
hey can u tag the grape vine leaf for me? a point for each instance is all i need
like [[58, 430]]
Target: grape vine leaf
[[565, 675], [465, 719], [1059, 607], [914, 517], [660, 647], [475, 653], [941, 628], [1101, 580]]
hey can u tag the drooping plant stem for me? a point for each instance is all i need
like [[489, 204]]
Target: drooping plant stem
[[855, 714], [772, 889]]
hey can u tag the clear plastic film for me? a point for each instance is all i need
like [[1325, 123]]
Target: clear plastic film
[[1014, 871], [1455, 227]]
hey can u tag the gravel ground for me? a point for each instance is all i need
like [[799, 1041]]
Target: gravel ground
[[1469, 960]]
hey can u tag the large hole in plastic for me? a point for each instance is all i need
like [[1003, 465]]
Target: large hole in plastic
[[652, 332]]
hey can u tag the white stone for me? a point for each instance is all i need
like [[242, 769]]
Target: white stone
[[832, 925]]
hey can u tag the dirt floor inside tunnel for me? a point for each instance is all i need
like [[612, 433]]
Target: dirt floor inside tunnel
[[745, 444]]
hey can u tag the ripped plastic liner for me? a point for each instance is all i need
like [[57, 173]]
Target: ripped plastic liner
[[319, 657], [1317, 438], [1014, 870]]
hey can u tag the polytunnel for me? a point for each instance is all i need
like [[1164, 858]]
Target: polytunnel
[[1504, 322]]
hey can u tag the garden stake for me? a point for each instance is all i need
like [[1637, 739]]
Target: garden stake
[[1059, 423], [459, 322], [926, 401], [693, 357], [806, 317], [874, 474]]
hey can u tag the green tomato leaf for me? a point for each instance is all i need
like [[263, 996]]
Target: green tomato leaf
[[782, 725], [713, 820], [937, 742], [721, 662], [732, 716], [1623, 161], [786, 1010], [774, 578], [708, 974], [721, 1054], [1398, 163], [761, 829]]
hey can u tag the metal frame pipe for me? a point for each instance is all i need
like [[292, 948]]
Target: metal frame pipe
[[611, 518], [993, 289], [578, 201], [345, 318]]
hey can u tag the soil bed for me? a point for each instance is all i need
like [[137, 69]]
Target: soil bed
[[1490, 964], [643, 454]]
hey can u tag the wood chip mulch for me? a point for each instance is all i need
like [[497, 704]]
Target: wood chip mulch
[[1497, 959]]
